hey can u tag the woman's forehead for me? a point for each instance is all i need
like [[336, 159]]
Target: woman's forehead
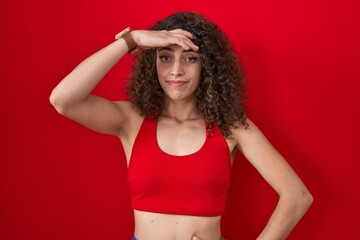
[[174, 48]]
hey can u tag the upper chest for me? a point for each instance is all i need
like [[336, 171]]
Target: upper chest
[[180, 138]]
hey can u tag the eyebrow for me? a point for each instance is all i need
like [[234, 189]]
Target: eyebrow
[[172, 50]]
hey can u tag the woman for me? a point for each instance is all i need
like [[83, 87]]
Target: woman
[[181, 129]]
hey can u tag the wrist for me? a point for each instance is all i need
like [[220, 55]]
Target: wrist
[[126, 34]]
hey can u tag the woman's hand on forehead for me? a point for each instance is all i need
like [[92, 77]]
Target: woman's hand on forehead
[[147, 39]]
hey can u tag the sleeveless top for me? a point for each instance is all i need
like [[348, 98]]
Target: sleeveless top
[[196, 184]]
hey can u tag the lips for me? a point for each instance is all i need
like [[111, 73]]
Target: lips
[[176, 83]]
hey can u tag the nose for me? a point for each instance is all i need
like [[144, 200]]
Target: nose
[[177, 68]]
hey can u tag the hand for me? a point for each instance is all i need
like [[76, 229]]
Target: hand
[[147, 39]]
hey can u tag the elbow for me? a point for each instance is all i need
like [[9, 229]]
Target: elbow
[[52, 99], [298, 202], [305, 197], [308, 199], [303, 202], [57, 103]]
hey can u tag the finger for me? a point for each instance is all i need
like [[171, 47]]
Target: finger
[[180, 41], [187, 45], [184, 32], [185, 42], [191, 45]]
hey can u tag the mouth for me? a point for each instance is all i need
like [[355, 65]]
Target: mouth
[[176, 83]]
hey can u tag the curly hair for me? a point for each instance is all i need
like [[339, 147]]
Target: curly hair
[[221, 94]]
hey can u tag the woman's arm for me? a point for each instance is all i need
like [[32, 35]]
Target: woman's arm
[[294, 198], [71, 97]]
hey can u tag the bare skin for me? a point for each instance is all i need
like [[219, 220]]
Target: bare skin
[[182, 227], [180, 131]]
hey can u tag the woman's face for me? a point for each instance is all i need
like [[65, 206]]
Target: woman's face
[[179, 72]]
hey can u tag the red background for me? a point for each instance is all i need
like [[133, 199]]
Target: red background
[[62, 181]]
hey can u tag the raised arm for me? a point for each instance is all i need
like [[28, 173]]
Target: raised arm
[[71, 97], [294, 199]]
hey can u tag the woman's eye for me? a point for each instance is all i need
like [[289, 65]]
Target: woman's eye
[[192, 59], [165, 58]]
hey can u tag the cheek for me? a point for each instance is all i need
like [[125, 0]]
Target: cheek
[[161, 69], [197, 72]]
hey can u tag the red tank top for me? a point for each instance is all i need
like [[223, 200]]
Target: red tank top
[[196, 184]]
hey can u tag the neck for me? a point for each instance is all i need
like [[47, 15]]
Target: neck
[[181, 110]]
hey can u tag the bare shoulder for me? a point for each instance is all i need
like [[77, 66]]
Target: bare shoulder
[[250, 138], [241, 133]]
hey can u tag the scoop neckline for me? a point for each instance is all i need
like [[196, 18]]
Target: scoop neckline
[[186, 155]]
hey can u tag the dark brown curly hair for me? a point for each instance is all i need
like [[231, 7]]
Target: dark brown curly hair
[[221, 93]]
